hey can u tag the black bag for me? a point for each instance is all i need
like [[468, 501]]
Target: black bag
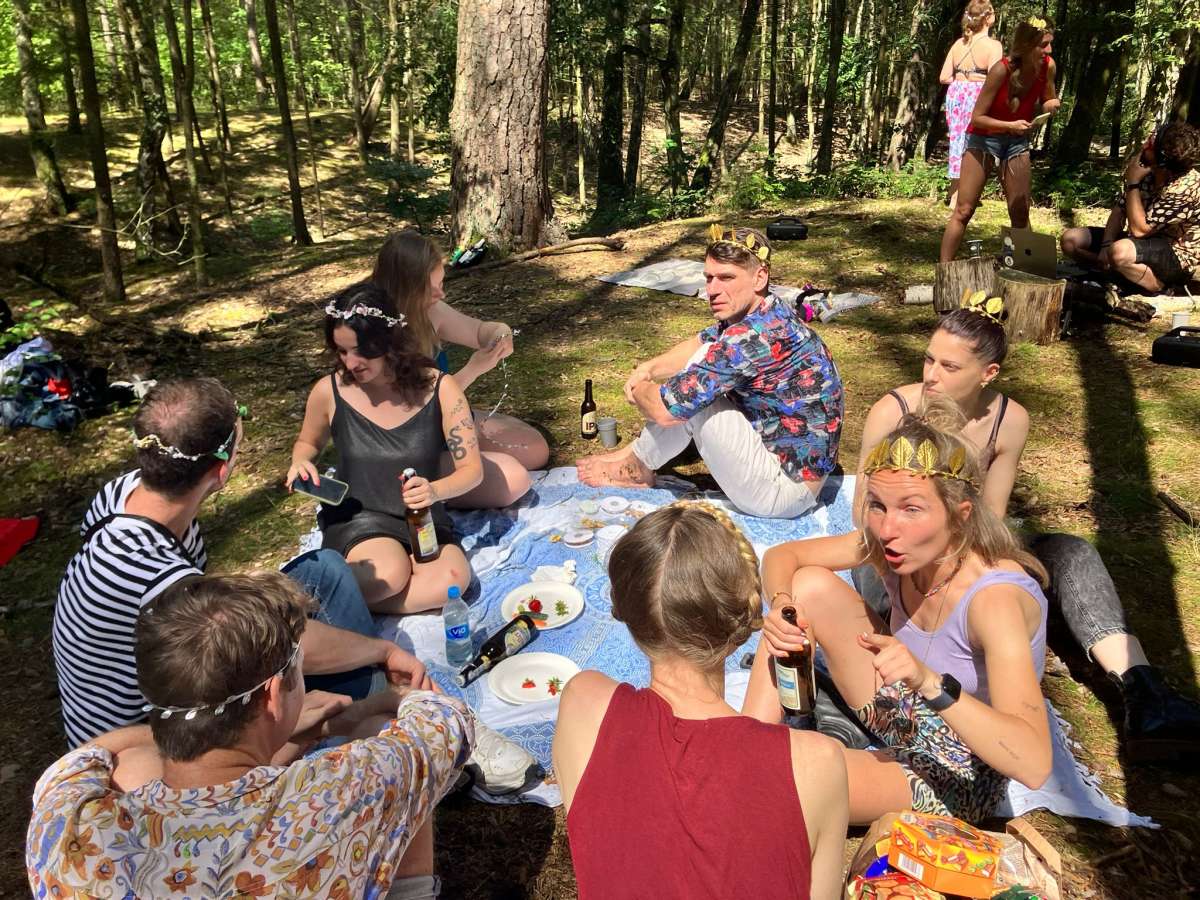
[[1178, 347], [787, 228]]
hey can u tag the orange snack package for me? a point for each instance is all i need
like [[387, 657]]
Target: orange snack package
[[890, 887], [945, 854]]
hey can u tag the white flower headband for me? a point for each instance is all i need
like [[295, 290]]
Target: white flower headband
[[189, 712], [359, 310]]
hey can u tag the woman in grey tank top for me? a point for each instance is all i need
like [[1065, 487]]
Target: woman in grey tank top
[[387, 409]]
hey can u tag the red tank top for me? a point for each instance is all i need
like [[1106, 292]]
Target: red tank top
[[1000, 108], [682, 808]]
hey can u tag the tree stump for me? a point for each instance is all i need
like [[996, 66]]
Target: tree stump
[[978, 273], [1034, 306]]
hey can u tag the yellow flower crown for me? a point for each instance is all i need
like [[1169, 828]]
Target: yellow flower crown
[[1036, 22], [988, 307], [899, 455], [719, 235]]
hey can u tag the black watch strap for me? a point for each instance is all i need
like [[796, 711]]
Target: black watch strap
[[951, 690]]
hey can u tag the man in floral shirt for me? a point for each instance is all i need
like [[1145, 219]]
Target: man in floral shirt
[[202, 803], [758, 392]]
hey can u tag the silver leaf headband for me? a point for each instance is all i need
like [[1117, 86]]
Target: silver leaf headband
[[189, 712], [359, 310]]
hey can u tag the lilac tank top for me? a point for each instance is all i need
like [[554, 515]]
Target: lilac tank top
[[948, 650]]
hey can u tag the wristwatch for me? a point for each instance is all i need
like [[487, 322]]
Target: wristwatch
[[951, 690], [1132, 185]]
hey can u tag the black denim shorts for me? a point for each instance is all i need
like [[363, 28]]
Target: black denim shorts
[[1154, 252]]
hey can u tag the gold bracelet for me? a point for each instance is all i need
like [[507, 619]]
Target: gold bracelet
[[777, 593]]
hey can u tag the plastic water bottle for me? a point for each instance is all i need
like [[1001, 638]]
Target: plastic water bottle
[[456, 619]]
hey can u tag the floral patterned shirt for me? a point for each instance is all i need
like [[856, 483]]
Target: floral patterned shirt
[[333, 824], [780, 375], [1173, 211]]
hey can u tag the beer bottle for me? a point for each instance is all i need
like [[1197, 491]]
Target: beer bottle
[[422, 535], [508, 640], [794, 676], [587, 413]]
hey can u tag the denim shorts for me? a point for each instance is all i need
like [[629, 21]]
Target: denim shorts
[[1000, 147], [1154, 252]]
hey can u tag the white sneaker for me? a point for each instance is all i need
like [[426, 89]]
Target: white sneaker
[[498, 765]]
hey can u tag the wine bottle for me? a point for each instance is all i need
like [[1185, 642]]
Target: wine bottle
[[587, 413], [510, 639], [794, 676], [422, 534]]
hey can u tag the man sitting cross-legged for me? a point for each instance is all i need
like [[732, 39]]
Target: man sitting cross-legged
[[758, 392], [202, 802], [141, 537]]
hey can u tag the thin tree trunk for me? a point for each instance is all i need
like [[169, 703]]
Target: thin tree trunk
[[1185, 89], [299, 225], [918, 74], [45, 164], [1157, 102], [298, 59], [1075, 143], [637, 111], [132, 67], [195, 213], [762, 78], [74, 126], [610, 174], [120, 86], [261, 87], [810, 112], [580, 130], [215, 85], [106, 220], [837, 26], [410, 80], [354, 62], [773, 6], [1114, 142], [668, 73], [394, 87], [179, 76]]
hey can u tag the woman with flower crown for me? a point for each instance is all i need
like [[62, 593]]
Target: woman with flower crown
[[387, 409], [949, 685]]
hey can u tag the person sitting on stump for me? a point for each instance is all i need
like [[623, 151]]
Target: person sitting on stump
[[1152, 237], [758, 393]]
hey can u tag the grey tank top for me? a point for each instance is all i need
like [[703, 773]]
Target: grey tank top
[[371, 458]]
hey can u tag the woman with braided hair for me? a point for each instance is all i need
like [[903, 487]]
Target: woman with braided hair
[[661, 799], [950, 684]]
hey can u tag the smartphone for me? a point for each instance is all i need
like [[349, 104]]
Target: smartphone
[[330, 490], [1040, 120]]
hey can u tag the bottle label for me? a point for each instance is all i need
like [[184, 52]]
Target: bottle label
[[789, 686], [516, 638], [427, 543], [587, 423], [460, 632]]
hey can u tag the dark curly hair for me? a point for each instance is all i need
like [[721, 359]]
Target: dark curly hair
[[411, 370], [1177, 147]]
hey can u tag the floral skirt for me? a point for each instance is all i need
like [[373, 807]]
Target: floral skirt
[[960, 103]]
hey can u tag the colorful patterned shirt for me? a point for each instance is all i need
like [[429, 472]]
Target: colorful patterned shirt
[[334, 824], [780, 375], [1173, 211]]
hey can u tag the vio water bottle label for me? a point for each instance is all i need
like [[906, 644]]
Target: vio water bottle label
[[458, 632]]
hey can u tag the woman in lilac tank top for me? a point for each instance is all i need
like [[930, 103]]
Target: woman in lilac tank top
[[950, 685]]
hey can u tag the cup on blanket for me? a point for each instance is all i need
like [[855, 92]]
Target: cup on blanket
[[606, 426], [1178, 320]]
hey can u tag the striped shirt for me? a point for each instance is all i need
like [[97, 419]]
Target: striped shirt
[[125, 563]]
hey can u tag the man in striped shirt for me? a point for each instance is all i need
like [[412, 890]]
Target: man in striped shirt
[[140, 536]]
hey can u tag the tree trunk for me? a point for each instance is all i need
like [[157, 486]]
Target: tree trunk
[[215, 85], [918, 73], [1183, 104], [1157, 103], [195, 213], [354, 61], [1076, 141], [837, 26], [74, 126], [1033, 305], [298, 60], [580, 129], [410, 79], [119, 84], [1114, 143], [773, 6], [762, 79], [961, 277], [261, 87], [394, 87], [299, 226], [106, 220], [45, 164], [610, 175], [179, 76], [714, 140], [132, 67], [637, 111], [668, 74], [810, 79], [498, 125]]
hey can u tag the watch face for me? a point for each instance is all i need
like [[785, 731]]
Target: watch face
[[951, 686]]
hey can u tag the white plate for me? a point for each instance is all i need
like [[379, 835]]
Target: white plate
[[610, 534], [506, 679], [641, 506], [614, 506], [578, 537], [589, 507], [550, 593]]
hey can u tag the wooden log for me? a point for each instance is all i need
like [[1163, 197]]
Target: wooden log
[[576, 246], [952, 279], [1033, 304]]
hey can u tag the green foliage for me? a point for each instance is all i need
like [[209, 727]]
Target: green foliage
[[408, 189], [270, 226], [748, 186], [1086, 184], [857, 179], [29, 320]]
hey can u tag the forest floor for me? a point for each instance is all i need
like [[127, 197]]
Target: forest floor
[[1110, 429]]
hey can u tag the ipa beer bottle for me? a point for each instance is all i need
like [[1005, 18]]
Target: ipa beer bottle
[[587, 413], [508, 640], [422, 535], [794, 676]]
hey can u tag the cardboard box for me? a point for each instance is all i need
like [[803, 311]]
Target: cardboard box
[[945, 854]]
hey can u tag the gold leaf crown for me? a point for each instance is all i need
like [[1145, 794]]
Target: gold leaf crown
[[988, 307], [1036, 22], [719, 235], [900, 455]]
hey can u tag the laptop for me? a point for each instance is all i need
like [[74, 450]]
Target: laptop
[[1026, 250]]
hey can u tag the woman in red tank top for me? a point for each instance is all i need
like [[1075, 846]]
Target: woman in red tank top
[[1000, 128], [669, 792]]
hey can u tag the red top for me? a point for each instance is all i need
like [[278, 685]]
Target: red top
[[687, 808], [1000, 108]]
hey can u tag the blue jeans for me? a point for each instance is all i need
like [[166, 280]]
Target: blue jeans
[[326, 576]]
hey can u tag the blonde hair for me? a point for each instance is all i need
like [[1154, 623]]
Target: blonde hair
[[1025, 38], [940, 422], [685, 582], [974, 18], [403, 268]]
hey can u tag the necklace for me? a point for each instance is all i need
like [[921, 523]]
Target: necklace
[[901, 689], [494, 409]]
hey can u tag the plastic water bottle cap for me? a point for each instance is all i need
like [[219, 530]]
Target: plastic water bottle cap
[[454, 593]]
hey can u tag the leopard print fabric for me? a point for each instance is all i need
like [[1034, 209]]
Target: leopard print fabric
[[1174, 212]]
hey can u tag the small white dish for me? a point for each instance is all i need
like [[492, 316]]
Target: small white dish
[[528, 677], [550, 594], [578, 537], [613, 506], [589, 507], [640, 508]]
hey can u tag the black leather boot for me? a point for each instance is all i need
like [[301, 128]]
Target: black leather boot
[[1161, 725]]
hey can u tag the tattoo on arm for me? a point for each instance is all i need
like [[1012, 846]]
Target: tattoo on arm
[[1011, 752], [460, 438]]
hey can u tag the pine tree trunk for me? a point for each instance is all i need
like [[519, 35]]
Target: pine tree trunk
[[773, 6], [610, 174], [580, 129], [714, 140], [810, 81], [195, 212], [668, 74], [116, 73], [45, 164], [132, 68], [762, 79], [261, 87], [498, 126], [917, 70], [410, 80], [354, 61], [106, 220], [394, 87], [1075, 143], [837, 26], [299, 226], [74, 126], [1183, 105], [302, 84], [179, 76], [215, 85], [637, 110]]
